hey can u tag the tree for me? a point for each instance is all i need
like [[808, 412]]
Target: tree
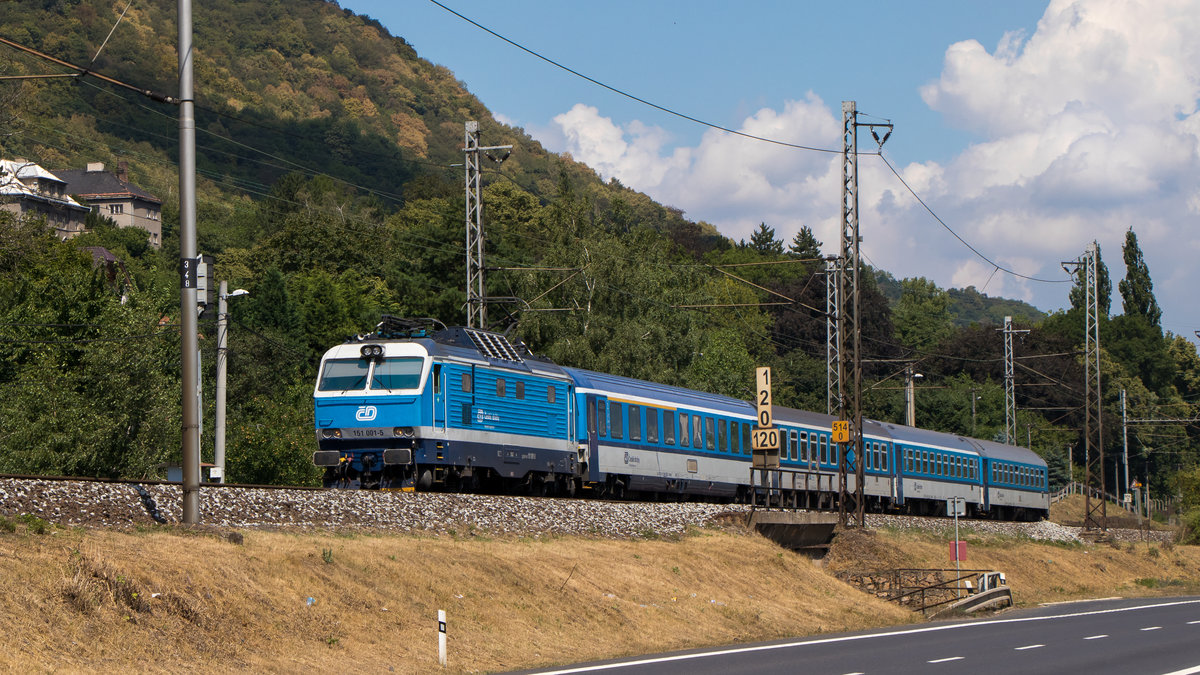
[[1137, 290], [922, 317], [763, 240], [805, 245]]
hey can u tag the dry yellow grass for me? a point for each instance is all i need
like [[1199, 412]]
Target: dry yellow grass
[[87, 600], [172, 599]]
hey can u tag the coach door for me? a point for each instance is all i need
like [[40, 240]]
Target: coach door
[[593, 423], [439, 397]]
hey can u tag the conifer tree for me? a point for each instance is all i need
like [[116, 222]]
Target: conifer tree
[[763, 240], [1137, 290], [1103, 288]]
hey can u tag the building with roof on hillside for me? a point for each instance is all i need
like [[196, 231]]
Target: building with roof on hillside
[[27, 190], [113, 196]]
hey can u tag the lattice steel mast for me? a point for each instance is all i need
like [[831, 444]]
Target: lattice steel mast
[[833, 355], [476, 293], [1095, 511], [1010, 394]]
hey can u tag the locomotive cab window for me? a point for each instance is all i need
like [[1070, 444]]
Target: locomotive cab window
[[344, 374], [397, 373]]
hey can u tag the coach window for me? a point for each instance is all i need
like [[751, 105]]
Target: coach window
[[795, 445], [803, 446], [746, 445], [616, 420], [500, 387], [697, 431], [669, 427], [887, 452], [590, 414], [723, 434], [652, 425], [685, 432], [520, 387], [635, 423], [824, 450], [710, 433], [466, 383], [602, 417]]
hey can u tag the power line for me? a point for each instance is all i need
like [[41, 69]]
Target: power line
[[626, 94], [956, 235]]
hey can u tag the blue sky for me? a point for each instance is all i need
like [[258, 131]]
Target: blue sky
[[1031, 128]]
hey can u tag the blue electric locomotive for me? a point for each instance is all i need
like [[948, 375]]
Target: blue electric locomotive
[[418, 405]]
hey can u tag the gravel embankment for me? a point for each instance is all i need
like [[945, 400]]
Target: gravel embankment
[[98, 504]]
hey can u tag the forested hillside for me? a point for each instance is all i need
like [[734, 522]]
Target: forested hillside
[[327, 190]]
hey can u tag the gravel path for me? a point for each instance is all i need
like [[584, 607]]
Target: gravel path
[[98, 504]]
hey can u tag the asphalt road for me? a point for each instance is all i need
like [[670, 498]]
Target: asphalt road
[[1118, 636]]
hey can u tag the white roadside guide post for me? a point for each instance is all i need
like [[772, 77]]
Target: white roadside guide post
[[442, 637]]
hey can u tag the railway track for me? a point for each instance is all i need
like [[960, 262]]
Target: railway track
[[130, 504]]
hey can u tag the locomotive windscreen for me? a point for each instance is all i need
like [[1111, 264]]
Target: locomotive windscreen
[[401, 373], [343, 374]]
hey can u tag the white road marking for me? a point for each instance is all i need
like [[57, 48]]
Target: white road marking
[[950, 658], [866, 636], [1186, 671], [1191, 623], [1151, 628], [1021, 649], [1096, 637]]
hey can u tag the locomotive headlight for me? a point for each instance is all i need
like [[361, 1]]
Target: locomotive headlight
[[371, 351], [403, 432], [331, 433]]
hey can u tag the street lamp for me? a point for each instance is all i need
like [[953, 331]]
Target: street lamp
[[974, 398], [222, 341]]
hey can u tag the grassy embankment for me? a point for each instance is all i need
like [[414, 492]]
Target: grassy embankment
[[171, 599]]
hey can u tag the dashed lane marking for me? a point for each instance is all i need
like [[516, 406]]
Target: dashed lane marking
[[1021, 649], [1151, 628], [1095, 637], [947, 659]]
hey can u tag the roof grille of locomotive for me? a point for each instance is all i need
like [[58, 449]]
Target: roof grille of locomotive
[[494, 345]]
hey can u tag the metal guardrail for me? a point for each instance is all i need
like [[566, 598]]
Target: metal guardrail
[[923, 589]]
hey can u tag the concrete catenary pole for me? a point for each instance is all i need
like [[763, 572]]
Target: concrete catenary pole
[[188, 262]]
